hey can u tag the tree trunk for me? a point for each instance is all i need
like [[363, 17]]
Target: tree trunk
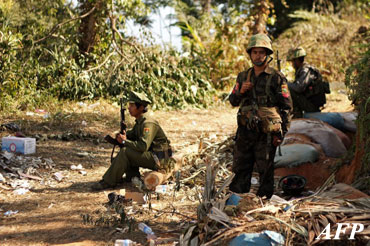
[[347, 173], [262, 11], [89, 25]]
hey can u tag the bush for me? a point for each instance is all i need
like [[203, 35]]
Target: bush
[[357, 80]]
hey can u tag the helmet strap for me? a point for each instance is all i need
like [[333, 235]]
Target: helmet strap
[[260, 64]]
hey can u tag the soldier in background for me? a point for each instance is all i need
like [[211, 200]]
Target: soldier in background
[[145, 145], [308, 88], [262, 95]]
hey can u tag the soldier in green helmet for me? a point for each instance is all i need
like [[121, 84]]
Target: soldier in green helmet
[[308, 89], [262, 94], [145, 145]]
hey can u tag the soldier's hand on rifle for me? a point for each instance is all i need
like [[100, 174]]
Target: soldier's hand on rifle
[[121, 137], [246, 86]]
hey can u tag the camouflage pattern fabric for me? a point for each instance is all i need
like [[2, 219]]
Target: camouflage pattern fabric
[[250, 148], [260, 41], [252, 145], [295, 53]]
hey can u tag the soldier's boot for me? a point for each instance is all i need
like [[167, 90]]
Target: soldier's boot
[[101, 185], [130, 173]]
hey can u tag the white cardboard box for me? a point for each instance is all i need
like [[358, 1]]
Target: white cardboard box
[[19, 145]]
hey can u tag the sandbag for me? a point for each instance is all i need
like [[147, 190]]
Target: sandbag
[[333, 119], [295, 154], [343, 137], [321, 134], [297, 138], [349, 121]]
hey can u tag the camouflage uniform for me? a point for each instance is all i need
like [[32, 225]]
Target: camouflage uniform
[[304, 76], [146, 146], [254, 146]]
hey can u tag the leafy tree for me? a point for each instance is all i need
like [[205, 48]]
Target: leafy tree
[[357, 80]]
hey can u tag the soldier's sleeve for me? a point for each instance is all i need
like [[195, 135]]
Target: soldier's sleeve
[[145, 139], [130, 134], [235, 96], [284, 101], [301, 81]]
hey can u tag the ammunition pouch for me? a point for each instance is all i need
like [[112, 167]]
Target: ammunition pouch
[[246, 117], [270, 119]]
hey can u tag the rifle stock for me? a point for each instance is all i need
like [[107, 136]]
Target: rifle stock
[[113, 141]]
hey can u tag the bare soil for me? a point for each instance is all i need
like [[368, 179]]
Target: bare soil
[[50, 213]]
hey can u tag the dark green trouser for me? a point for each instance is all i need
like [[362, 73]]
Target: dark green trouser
[[300, 104], [128, 162], [250, 148]]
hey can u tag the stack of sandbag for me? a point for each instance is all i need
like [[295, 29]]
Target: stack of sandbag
[[342, 121], [311, 146], [332, 141], [349, 121], [309, 139]]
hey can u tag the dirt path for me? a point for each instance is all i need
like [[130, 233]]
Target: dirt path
[[50, 213]]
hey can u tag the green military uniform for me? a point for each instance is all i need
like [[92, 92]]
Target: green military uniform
[[306, 95], [254, 140], [146, 146]]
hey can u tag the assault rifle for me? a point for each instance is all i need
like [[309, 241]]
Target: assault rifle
[[123, 127], [278, 61]]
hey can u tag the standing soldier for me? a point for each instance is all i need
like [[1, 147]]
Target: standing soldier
[[264, 104], [308, 89], [145, 145]]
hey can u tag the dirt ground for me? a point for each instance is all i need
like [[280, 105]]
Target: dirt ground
[[50, 213]]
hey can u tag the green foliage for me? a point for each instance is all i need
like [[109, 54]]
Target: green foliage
[[357, 80], [37, 64], [327, 39], [218, 40], [170, 80]]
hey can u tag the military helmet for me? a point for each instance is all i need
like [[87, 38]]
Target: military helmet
[[292, 184], [260, 40], [137, 97], [295, 53]]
